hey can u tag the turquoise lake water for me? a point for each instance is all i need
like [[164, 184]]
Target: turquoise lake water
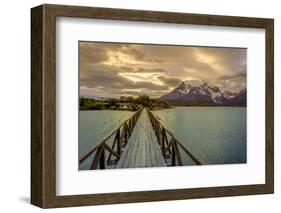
[[216, 135], [96, 124]]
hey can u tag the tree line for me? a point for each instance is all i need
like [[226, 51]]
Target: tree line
[[123, 103]]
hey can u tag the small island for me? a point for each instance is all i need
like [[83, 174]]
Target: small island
[[127, 103]]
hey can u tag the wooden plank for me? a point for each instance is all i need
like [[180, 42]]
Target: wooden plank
[[153, 156], [130, 158], [148, 155], [155, 152], [137, 153], [123, 157], [151, 147], [143, 153], [133, 154], [127, 158], [143, 149], [158, 154], [144, 138]]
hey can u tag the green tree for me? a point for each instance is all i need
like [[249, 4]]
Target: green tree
[[144, 100]]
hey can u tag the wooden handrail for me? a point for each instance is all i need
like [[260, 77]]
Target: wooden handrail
[[191, 155], [174, 143], [94, 147], [128, 126]]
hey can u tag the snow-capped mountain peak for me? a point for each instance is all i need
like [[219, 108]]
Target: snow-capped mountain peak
[[204, 93], [184, 88], [229, 94]]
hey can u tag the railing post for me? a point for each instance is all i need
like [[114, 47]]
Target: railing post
[[177, 153], [131, 127], [102, 158], [173, 154], [160, 134], [158, 131], [119, 145], [125, 129], [133, 121], [163, 139], [97, 158]]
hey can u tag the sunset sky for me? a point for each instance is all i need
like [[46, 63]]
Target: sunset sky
[[114, 69]]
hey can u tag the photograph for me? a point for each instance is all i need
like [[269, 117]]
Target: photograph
[[137, 105], [151, 105]]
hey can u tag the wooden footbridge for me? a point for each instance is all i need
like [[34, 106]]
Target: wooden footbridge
[[140, 141]]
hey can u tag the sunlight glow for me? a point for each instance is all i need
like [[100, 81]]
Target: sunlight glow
[[143, 77], [121, 59], [212, 61]]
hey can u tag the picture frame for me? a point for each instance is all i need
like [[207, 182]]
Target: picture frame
[[43, 105]]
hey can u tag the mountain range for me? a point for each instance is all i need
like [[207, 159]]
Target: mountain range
[[204, 95]]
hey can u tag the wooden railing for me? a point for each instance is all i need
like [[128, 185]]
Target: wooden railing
[[121, 136], [169, 145]]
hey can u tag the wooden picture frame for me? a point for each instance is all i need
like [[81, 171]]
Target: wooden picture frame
[[43, 105]]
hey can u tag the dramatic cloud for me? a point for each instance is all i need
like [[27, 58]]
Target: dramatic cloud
[[235, 76], [114, 69], [171, 82]]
